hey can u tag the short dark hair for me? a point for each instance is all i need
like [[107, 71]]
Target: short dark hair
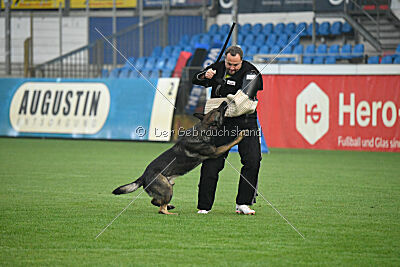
[[233, 50]]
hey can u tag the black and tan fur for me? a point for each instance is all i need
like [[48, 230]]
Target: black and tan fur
[[190, 150]]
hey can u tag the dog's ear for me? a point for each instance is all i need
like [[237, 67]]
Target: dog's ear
[[199, 116]]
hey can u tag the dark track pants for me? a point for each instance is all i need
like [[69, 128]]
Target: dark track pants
[[250, 154]]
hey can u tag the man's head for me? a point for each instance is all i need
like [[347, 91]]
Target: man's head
[[233, 59]]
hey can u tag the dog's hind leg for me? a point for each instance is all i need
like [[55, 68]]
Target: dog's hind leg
[[161, 191], [155, 202]]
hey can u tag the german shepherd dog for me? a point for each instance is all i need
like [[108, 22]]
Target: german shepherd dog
[[190, 150]]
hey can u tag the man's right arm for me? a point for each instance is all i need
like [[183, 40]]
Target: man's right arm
[[199, 78]]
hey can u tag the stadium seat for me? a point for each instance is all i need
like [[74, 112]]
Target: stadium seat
[[260, 40], [206, 39], [387, 60], [160, 63], [104, 73], [217, 38], [240, 39], [170, 65], [307, 60], [195, 39], [301, 27], [264, 49], [134, 74], [248, 40], [398, 50], [176, 51], [124, 72], [346, 28], [166, 73], [157, 51], [283, 40], [154, 74], [150, 63], [271, 40], [334, 51], [256, 29], [268, 29], [345, 52], [325, 28], [214, 28], [130, 62], [298, 49], [294, 39], [244, 49], [224, 29], [276, 49], [310, 29], [322, 50], [310, 50], [145, 73], [246, 29], [279, 28], [358, 51], [287, 51], [252, 50], [140, 62], [318, 60], [396, 60], [330, 60], [290, 28], [336, 28], [114, 73], [185, 40], [167, 51], [373, 60]]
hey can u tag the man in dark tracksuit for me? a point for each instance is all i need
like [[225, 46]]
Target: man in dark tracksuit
[[227, 77]]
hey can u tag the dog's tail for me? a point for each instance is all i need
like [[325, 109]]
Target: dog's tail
[[129, 188]]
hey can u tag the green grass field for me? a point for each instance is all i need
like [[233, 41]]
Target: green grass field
[[55, 197]]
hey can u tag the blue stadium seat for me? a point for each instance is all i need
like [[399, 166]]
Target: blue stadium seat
[[224, 29], [206, 39], [134, 74], [124, 72], [283, 40], [218, 38], [104, 73], [396, 60], [336, 28], [334, 51], [298, 49], [150, 63], [157, 51], [264, 49], [176, 51], [310, 50], [276, 49], [302, 27], [325, 28], [294, 39], [318, 60], [330, 60], [240, 39], [290, 28], [195, 39], [307, 60], [310, 29], [246, 29], [130, 62], [279, 28], [287, 51], [387, 59], [249, 40], [160, 63], [114, 73], [244, 49], [185, 40], [167, 51], [154, 74], [166, 73], [398, 50], [145, 73], [140, 62], [373, 60], [268, 29], [260, 40], [252, 50], [346, 28], [214, 28], [345, 52], [358, 51], [322, 49], [256, 29], [271, 40], [170, 64]]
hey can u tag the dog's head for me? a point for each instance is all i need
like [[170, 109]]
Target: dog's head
[[213, 119]]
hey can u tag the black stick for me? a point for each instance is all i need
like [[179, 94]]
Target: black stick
[[226, 42]]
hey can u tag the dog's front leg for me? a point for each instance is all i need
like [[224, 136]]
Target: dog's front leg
[[222, 149]]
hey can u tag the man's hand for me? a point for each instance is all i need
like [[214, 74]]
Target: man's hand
[[210, 73]]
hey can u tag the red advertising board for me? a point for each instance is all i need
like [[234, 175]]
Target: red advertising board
[[351, 112]]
